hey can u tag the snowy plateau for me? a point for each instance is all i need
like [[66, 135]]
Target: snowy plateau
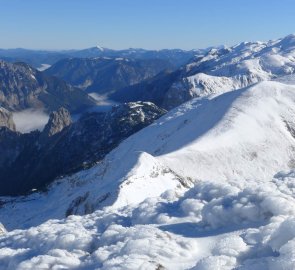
[[209, 185]]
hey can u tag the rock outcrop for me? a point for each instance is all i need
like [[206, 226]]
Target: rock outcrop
[[58, 120], [6, 119], [23, 87], [33, 160]]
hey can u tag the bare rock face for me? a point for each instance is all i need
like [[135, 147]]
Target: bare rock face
[[106, 75], [23, 87], [6, 119], [58, 120]]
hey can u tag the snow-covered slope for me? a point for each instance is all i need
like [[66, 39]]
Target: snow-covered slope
[[225, 69], [208, 186]]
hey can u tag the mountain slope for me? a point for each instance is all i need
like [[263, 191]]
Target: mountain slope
[[218, 71], [32, 161], [153, 89], [106, 75], [225, 203], [22, 87], [227, 69]]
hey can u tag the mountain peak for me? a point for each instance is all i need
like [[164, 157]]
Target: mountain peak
[[288, 40], [58, 120]]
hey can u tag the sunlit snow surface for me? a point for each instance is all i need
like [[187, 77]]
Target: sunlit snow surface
[[226, 69], [202, 188], [43, 67], [210, 185]]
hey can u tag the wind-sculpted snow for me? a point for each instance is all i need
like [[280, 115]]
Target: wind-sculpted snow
[[212, 226], [210, 185]]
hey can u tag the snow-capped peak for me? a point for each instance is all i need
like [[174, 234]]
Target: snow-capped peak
[[227, 69]]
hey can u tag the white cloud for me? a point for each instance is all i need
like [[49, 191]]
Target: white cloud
[[30, 119]]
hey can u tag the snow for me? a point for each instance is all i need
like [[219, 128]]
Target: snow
[[239, 66], [210, 185], [43, 67], [100, 48], [33, 77], [243, 229], [2, 229], [203, 85], [149, 178]]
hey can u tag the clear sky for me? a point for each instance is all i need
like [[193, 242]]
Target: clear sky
[[151, 24]]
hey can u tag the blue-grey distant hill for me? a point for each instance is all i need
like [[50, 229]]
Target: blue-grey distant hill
[[37, 58]]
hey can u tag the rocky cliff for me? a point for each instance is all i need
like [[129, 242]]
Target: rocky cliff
[[33, 160], [23, 87]]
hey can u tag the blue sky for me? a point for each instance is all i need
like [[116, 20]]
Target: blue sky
[[151, 24]]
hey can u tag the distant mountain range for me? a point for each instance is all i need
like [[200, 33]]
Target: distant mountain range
[[104, 75], [37, 58], [217, 71], [143, 75], [70, 75]]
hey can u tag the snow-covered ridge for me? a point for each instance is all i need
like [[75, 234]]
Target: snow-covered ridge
[[201, 188], [230, 68]]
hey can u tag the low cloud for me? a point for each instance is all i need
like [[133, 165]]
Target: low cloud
[[30, 119]]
